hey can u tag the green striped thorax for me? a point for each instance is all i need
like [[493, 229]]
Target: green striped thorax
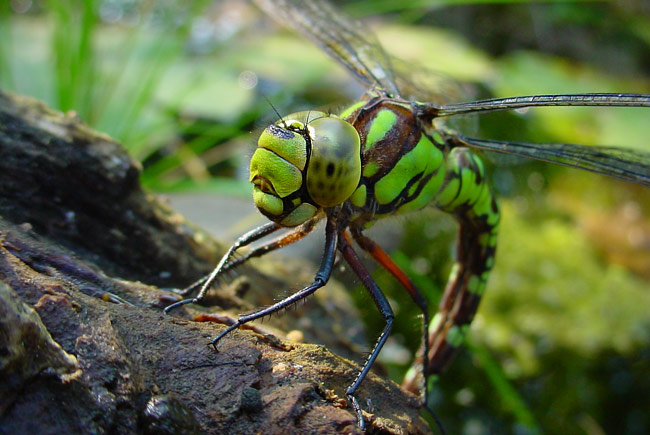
[[308, 161]]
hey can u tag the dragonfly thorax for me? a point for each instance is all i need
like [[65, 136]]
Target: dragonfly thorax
[[308, 161], [403, 169]]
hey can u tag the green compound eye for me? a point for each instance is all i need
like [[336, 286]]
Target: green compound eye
[[334, 167]]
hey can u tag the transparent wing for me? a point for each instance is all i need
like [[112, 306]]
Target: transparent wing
[[622, 163], [345, 41], [421, 84], [626, 164], [356, 48], [418, 83]]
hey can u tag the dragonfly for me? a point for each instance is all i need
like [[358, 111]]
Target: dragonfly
[[389, 154]]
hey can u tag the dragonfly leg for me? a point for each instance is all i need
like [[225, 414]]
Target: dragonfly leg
[[244, 240], [321, 278], [384, 308], [292, 236], [468, 197], [383, 259]]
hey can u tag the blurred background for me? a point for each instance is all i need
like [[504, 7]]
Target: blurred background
[[561, 343]]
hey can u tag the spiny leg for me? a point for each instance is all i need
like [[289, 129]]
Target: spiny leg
[[386, 262], [381, 257], [296, 234], [292, 236], [244, 240], [321, 278], [384, 308], [467, 196]]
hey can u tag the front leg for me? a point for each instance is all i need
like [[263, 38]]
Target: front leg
[[292, 236], [244, 240], [321, 278]]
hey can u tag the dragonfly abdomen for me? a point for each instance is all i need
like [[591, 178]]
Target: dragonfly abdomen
[[466, 195]]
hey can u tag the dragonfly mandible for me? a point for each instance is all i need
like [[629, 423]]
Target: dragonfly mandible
[[392, 154]]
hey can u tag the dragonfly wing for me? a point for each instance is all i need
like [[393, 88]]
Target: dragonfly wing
[[355, 47], [625, 164], [433, 89], [347, 42], [421, 84]]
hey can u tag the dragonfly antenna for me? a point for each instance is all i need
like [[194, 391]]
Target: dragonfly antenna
[[276, 111]]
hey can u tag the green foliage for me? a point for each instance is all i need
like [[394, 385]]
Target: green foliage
[[110, 73], [74, 60], [5, 44]]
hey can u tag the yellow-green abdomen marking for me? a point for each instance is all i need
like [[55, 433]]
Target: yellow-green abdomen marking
[[466, 195]]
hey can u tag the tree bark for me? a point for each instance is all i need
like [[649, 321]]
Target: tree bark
[[84, 345]]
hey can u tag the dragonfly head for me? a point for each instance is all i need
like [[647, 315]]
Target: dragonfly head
[[310, 160]]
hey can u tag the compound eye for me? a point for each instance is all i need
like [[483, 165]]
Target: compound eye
[[334, 167]]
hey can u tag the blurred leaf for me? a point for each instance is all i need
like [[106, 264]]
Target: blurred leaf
[[560, 292], [512, 401], [6, 52]]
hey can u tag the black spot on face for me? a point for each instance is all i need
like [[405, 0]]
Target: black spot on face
[[320, 185], [330, 169]]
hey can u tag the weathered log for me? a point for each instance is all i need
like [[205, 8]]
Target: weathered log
[[84, 345]]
